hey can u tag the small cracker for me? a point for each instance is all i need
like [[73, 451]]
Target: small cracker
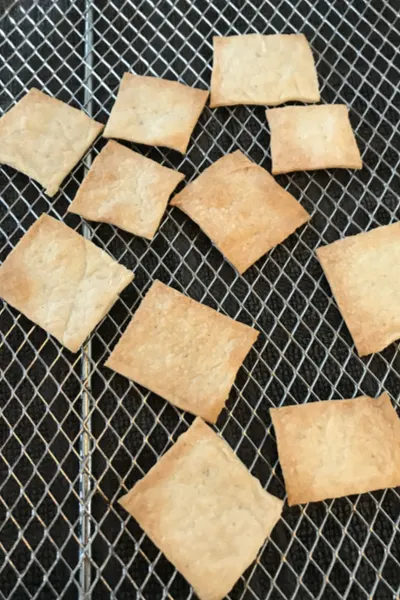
[[305, 138], [203, 509], [362, 271], [126, 189], [241, 208], [157, 112], [183, 351], [338, 447], [61, 281], [45, 138], [263, 69]]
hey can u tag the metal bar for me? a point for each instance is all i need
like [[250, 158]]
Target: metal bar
[[85, 438]]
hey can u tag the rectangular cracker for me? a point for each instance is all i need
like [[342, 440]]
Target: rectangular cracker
[[45, 138], [183, 351], [263, 69], [362, 271], [154, 111], [126, 189], [305, 138], [61, 281], [241, 208], [201, 507], [338, 447]]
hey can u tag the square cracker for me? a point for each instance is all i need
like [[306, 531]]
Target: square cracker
[[45, 138], [241, 208], [183, 351], [203, 509], [362, 271], [338, 447], [61, 281], [263, 69], [155, 111], [126, 189], [304, 138]]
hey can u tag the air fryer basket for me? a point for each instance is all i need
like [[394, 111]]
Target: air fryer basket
[[73, 434]]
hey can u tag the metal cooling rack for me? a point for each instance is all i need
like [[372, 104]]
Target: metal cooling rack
[[73, 435]]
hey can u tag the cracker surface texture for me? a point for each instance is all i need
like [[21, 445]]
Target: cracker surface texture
[[157, 112], [263, 69], [45, 138], [305, 138], [241, 208], [183, 351], [61, 281], [362, 271], [336, 448], [203, 509], [126, 189]]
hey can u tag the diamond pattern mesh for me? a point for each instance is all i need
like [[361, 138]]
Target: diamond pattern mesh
[[74, 435]]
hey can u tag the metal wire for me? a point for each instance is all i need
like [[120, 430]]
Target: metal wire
[[73, 435]]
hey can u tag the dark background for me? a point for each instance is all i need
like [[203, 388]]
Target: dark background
[[73, 435]]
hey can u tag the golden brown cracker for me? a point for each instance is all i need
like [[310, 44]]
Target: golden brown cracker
[[154, 111], [204, 510], [305, 138], [363, 274], [45, 138], [337, 447], [241, 208], [125, 189], [263, 69], [183, 351], [61, 281]]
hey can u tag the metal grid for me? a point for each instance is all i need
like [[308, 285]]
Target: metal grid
[[73, 435]]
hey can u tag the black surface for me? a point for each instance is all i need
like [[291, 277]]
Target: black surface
[[304, 353]]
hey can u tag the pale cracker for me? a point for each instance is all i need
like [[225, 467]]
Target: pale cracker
[[263, 69], [203, 509], [125, 189], [61, 281], [157, 112], [362, 271], [183, 351], [305, 138], [45, 138], [241, 208], [338, 447]]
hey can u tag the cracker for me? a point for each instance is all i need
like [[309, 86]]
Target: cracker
[[338, 447], [204, 511], [45, 138], [305, 138], [183, 351], [263, 69], [61, 281], [362, 271], [241, 208], [155, 111], [126, 189]]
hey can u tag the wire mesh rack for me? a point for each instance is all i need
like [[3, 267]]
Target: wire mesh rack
[[74, 435]]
